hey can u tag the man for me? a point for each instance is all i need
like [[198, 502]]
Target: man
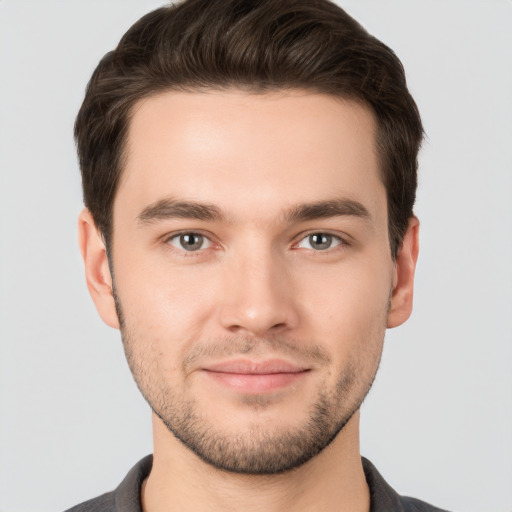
[[249, 175]]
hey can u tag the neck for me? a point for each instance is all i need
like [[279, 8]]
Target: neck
[[332, 481]]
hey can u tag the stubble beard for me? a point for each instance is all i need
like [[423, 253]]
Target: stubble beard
[[257, 450]]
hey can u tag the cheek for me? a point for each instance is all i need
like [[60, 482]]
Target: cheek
[[349, 304], [162, 303]]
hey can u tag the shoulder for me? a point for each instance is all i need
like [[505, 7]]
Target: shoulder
[[103, 503], [385, 499], [126, 497], [415, 505]]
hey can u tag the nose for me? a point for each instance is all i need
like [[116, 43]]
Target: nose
[[258, 296]]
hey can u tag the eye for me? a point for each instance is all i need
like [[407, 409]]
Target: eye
[[190, 242], [320, 241]]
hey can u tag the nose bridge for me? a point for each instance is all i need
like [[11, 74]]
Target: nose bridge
[[257, 296]]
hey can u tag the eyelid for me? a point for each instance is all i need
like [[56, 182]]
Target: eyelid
[[176, 234], [343, 239]]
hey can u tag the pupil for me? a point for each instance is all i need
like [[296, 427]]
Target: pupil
[[191, 242], [320, 240]]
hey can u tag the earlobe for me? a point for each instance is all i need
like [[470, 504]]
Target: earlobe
[[97, 271], [405, 265]]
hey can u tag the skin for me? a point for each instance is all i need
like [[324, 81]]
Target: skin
[[258, 289]]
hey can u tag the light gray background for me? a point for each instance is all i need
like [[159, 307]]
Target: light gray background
[[438, 423]]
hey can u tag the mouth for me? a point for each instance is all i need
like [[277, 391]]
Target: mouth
[[256, 377]]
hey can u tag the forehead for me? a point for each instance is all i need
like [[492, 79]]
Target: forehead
[[243, 150]]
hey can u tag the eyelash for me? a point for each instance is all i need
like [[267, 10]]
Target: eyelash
[[183, 252], [341, 243]]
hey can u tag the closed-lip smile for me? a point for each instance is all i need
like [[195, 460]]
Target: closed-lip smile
[[255, 377]]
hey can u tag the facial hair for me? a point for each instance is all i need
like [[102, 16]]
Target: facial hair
[[257, 450]]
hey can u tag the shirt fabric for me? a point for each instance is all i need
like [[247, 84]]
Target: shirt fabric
[[126, 498]]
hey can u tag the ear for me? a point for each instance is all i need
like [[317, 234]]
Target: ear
[[97, 271], [403, 279]]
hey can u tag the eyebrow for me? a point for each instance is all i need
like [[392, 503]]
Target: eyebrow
[[327, 209], [171, 208]]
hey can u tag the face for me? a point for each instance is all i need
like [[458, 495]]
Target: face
[[252, 270]]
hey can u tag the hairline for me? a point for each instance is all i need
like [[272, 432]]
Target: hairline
[[252, 89]]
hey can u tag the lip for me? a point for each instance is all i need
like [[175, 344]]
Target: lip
[[248, 367], [256, 377]]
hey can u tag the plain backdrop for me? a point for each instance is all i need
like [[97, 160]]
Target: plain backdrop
[[438, 422]]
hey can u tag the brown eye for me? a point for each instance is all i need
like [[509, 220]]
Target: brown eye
[[189, 242]]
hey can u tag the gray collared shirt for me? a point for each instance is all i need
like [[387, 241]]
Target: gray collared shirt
[[126, 498]]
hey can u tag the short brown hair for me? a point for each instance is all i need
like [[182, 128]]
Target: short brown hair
[[258, 46]]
